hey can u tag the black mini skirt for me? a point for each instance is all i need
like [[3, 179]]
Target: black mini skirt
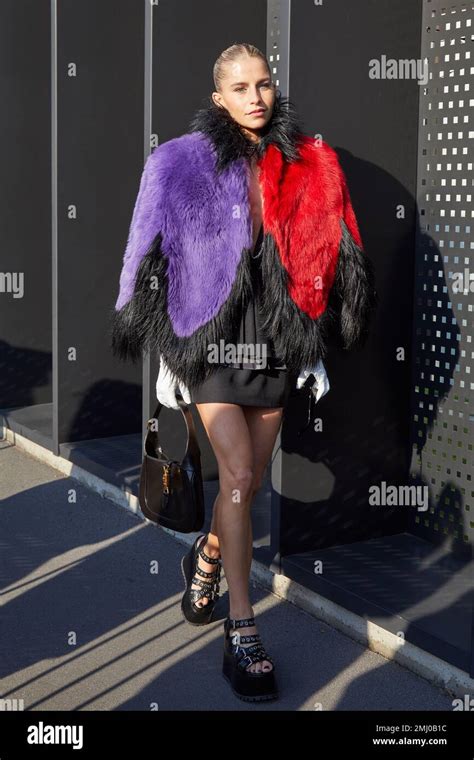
[[247, 387]]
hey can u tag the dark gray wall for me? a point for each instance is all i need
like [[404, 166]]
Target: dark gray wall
[[25, 200], [100, 156]]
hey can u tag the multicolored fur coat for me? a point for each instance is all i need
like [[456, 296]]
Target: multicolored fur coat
[[185, 275]]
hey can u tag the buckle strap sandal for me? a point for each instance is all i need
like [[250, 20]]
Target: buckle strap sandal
[[249, 686], [210, 588]]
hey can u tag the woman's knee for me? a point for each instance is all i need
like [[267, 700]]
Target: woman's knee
[[238, 483]]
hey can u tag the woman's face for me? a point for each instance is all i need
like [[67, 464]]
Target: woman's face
[[247, 86]]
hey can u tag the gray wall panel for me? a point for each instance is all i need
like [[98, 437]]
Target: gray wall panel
[[25, 199], [100, 158]]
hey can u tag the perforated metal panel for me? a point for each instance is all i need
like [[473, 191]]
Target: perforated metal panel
[[443, 367]]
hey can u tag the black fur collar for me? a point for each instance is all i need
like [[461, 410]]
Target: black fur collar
[[283, 130]]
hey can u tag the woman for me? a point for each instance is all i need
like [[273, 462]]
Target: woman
[[243, 259]]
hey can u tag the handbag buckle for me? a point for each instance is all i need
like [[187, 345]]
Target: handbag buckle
[[166, 478]]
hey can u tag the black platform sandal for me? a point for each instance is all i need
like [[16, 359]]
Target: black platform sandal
[[247, 685], [194, 613]]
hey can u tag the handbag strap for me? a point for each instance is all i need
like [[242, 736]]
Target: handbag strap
[[192, 446]]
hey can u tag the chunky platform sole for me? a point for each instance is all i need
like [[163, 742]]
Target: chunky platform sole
[[192, 616], [251, 687]]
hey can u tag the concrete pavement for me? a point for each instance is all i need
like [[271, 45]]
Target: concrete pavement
[[91, 617]]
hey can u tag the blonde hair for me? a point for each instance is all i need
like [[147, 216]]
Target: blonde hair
[[231, 54]]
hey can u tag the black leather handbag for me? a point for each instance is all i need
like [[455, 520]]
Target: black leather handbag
[[171, 492]]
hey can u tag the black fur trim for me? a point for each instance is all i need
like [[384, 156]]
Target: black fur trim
[[300, 340], [355, 289], [230, 143], [144, 324]]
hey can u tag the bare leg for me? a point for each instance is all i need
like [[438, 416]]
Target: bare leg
[[242, 439], [211, 548], [264, 424]]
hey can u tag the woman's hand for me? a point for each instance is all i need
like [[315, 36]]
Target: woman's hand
[[166, 386], [321, 382]]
